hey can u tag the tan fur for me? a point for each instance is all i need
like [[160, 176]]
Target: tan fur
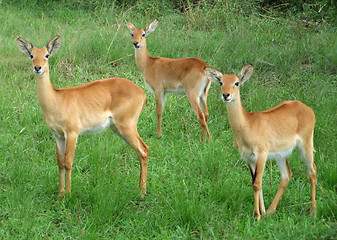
[[91, 107], [164, 75], [268, 134]]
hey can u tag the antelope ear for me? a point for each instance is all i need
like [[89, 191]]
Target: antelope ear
[[245, 73], [213, 75], [151, 27], [24, 46], [130, 26], [53, 45]]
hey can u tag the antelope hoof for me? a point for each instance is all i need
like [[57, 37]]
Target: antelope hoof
[[142, 189], [61, 197], [201, 139], [142, 193], [313, 210], [256, 216]]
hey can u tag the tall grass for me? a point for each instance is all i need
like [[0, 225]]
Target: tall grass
[[194, 190]]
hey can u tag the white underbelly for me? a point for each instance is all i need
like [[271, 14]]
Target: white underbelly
[[280, 154], [251, 157], [97, 127], [179, 90]]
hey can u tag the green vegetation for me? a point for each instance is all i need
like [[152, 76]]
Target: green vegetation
[[194, 190]]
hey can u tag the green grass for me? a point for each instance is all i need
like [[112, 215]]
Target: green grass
[[195, 191]]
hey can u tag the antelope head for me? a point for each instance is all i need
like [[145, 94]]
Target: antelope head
[[139, 34], [39, 56], [230, 83]]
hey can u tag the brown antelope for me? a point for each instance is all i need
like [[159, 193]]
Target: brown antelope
[[273, 134], [163, 75], [91, 107]]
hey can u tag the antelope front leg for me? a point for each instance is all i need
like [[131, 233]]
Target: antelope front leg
[[252, 169], [261, 202], [69, 157], [60, 163], [60, 152], [257, 184], [159, 108]]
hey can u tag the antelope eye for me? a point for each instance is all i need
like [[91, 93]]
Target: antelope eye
[[131, 34], [143, 35], [236, 83], [31, 56], [221, 83], [47, 55]]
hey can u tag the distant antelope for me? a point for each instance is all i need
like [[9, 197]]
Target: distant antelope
[[163, 75], [91, 107], [268, 134]]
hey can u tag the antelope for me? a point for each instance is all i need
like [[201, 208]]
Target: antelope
[[88, 108], [163, 75], [270, 134]]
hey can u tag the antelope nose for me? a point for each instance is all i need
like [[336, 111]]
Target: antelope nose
[[225, 95], [37, 68], [135, 44]]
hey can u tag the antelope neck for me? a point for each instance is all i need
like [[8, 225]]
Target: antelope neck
[[141, 57], [45, 91], [236, 115]]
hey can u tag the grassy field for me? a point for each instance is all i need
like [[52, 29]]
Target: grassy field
[[195, 191]]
